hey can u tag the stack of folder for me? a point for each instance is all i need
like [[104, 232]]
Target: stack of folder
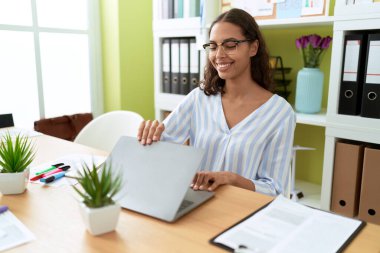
[[360, 79], [179, 8], [355, 191], [180, 65]]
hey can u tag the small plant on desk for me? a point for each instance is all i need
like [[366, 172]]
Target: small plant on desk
[[99, 187], [16, 154]]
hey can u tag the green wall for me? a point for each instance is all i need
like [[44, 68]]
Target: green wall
[[127, 39], [111, 54], [127, 43]]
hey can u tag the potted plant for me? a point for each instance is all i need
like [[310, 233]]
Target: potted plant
[[98, 188], [16, 154]]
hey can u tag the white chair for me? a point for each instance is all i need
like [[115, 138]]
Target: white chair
[[104, 131]]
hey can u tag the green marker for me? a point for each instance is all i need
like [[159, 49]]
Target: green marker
[[54, 166]]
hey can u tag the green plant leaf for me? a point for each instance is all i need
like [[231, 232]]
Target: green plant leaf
[[15, 154], [98, 187]]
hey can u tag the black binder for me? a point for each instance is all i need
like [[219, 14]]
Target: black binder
[[351, 85], [371, 88], [166, 58]]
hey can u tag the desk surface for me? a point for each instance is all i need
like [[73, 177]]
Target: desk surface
[[52, 214]]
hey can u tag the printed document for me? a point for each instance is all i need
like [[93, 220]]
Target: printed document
[[13, 232], [286, 226]]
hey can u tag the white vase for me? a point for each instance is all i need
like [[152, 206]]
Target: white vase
[[309, 90], [100, 220], [14, 183]]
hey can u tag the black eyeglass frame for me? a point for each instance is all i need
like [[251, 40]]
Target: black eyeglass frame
[[207, 45]]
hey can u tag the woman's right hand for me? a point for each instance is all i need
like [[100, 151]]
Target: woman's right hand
[[150, 131]]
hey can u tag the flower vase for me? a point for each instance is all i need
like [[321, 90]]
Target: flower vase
[[309, 90]]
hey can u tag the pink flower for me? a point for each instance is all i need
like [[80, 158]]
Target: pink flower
[[312, 47]]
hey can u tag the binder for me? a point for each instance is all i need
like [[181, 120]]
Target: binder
[[174, 66], [351, 86], [347, 178], [369, 207], [164, 6], [184, 66], [194, 64], [371, 89], [171, 7], [180, 7], [6, 120], [194, 8], [166, 65]]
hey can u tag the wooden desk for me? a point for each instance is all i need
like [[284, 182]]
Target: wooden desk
[[52, 214]]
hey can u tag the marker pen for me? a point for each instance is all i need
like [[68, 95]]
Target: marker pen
[[54, 166], [60, 169], [44, 174], [3, 209], [53, 177]]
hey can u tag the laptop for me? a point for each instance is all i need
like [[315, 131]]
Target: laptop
[[157, 177]]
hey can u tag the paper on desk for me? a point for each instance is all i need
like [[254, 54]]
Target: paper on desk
[[286, 226], [13, 232], [75, 161], [14, 131]]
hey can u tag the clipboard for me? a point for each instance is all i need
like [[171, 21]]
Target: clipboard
[[345, 228], [212, 240]]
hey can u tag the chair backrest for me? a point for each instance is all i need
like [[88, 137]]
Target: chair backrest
[[65, 127], [104, 131]]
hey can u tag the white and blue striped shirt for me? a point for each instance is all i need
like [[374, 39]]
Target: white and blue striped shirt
[[258, 148]]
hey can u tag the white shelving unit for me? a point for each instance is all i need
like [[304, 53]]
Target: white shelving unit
[[347, 18]]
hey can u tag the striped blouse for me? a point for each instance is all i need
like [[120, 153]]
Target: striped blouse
[[258, 148]]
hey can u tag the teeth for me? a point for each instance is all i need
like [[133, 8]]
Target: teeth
[[224, 65]]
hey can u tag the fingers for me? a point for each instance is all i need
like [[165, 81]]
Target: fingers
[[150, 131], [203, 181], [140, 130], [157, 134]]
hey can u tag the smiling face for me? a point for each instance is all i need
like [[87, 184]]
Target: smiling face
[[235, 64]]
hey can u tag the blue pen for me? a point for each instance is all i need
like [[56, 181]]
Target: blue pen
[[3, 209], [53, 177]]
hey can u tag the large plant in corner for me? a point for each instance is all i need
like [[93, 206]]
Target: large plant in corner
[[98, 188], [16, 154]]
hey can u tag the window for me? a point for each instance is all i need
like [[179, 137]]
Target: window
[[49, 59]]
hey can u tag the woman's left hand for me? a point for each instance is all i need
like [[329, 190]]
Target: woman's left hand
[[209, 181]]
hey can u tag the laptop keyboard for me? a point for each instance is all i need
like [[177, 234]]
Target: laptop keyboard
[[185, 203]]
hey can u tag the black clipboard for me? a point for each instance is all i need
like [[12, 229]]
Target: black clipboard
[[342, 247], [212, 240]]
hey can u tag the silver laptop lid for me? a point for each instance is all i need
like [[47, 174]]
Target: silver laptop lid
[[155, 177]]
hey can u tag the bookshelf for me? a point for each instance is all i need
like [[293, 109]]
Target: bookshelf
[[347, 18]]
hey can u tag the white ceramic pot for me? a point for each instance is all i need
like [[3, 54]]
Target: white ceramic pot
[[100, 220], [14, 183]]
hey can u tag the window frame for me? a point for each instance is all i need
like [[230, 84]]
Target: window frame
[[94, 47]]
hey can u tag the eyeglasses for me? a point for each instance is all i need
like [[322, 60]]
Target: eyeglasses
[[229, 46]]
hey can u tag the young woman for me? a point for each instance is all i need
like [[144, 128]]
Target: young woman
[[247, 131]]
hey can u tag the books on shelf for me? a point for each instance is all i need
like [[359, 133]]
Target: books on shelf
[[179, 9]]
